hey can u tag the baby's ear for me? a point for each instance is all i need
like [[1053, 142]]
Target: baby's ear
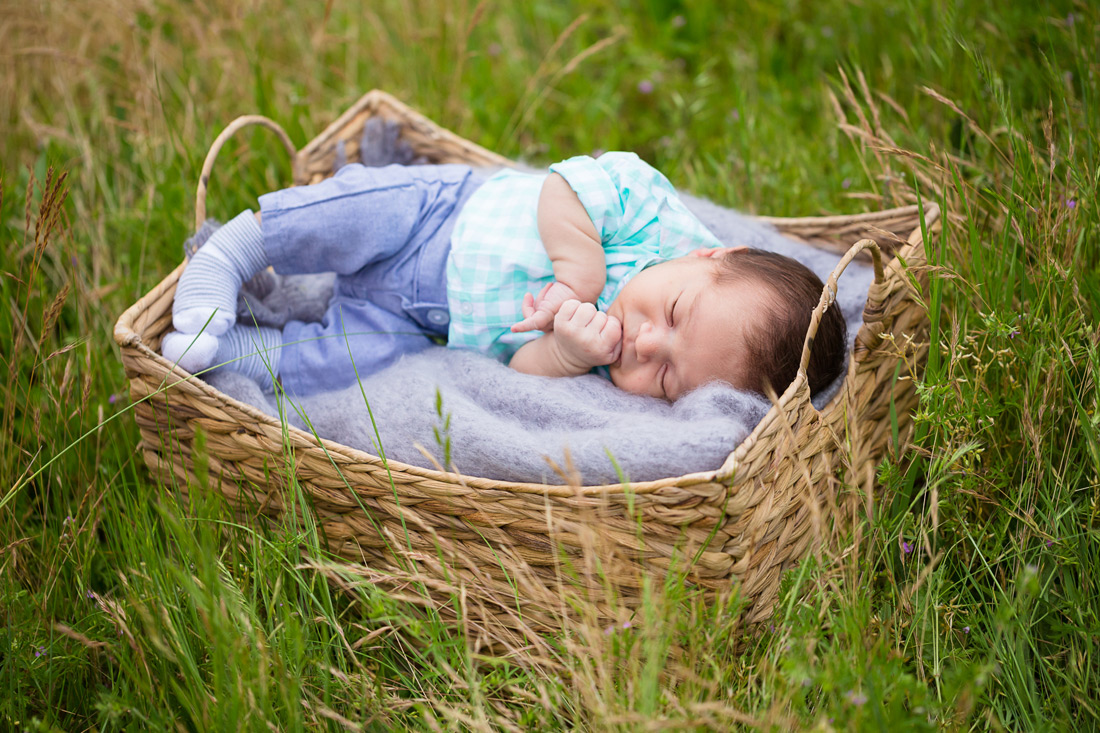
[[713, 252]]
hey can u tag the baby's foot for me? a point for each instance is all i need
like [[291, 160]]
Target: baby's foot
[[253, 352], [193, 352], [203, 319]]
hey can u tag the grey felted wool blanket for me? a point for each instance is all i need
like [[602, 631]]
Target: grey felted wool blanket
[[497, 423]]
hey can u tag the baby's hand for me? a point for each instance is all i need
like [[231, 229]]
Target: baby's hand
[[586, 337], [539, 310]]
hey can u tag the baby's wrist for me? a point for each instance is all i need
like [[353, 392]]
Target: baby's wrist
[[585, 284]]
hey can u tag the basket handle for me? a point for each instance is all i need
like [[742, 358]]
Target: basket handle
[[828, 295], [215, 148]]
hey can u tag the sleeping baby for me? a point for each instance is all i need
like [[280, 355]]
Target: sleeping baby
[[595, 264]]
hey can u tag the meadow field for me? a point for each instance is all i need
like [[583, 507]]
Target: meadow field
[[965, 595]]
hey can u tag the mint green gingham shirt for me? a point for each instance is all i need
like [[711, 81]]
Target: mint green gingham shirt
[[497, 255]]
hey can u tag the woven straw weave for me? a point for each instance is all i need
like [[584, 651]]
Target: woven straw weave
[[510, 545]]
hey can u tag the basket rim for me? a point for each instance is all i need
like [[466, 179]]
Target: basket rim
[[795, 394], [377, 100]]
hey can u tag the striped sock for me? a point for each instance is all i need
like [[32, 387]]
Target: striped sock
[[206, 296], [192, 351], [251, 351]]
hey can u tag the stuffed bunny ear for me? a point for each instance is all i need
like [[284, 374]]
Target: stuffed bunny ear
[[713, 252]]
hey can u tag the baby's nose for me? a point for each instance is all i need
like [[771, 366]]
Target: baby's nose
[[650, 342]]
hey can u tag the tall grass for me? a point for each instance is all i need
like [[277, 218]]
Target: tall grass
[[963, 596]]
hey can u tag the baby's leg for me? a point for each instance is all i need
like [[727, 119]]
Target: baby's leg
[[205, 304], [356, 339], [360, 217], [206, 296], [248, 350]]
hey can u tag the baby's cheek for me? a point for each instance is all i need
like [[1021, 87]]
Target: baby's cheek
[[630, 380]]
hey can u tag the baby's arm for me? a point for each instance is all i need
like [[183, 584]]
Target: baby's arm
[[582, 338], [574, 248]]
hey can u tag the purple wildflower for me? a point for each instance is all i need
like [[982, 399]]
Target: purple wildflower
[[39, 651], [73, 260], [645, 86], [626, 624], [966, 629], [90, 594], [906, 547], [1071, 204], [846, 183], [1050, 543], [735, 115], [113, 398], [856, 698], [1069, 20]]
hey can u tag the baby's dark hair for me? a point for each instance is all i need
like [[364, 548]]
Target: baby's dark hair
[[775, 346]]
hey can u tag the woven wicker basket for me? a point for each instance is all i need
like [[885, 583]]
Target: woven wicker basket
[[508, 544]]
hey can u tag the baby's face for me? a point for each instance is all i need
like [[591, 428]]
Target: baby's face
[[682, 330]]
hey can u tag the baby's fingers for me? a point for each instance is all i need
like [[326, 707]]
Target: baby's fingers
[[613, 329], [539, 321], [567, 310], [574, 314], [528, 305], [534, 318], [538, 299], [612, 333]]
